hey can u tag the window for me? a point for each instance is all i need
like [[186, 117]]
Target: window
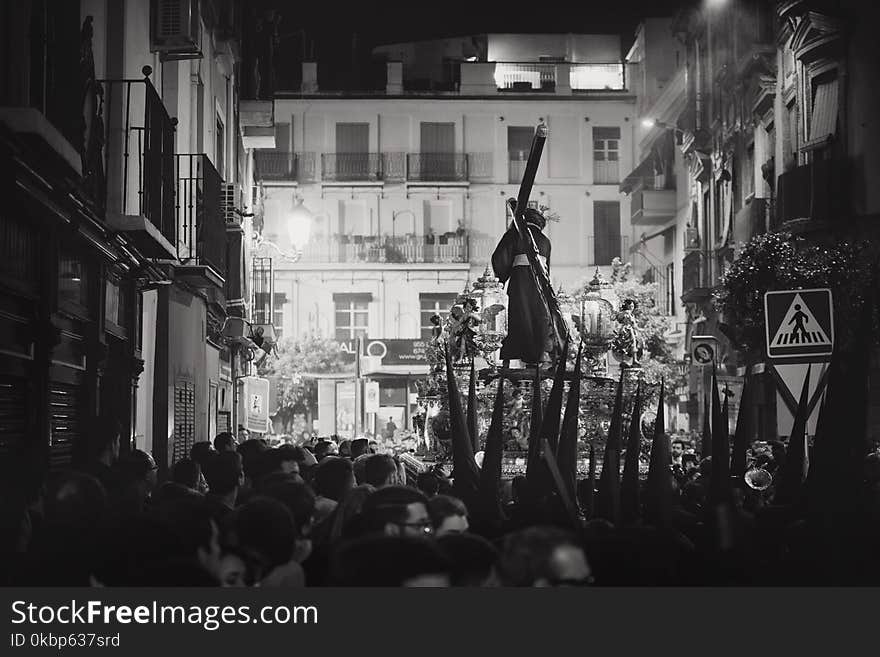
[[437, 151], [352, 152], [73, 281], [670, 288], [220, 145], [262, 289], [433, 304], [606, 232], [793, 130], [823, 119], [352, 315], [519, 143], [278, 313], [606, 150], [114, 304]]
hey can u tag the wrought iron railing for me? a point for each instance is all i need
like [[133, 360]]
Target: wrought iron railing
[[201, 226], [285, 166], [139, 154], [437, 167], [525, 76], [384, 249], [597, 77]]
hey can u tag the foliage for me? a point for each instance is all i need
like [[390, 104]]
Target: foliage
[[296, 358], [778, 261], [658, 362]]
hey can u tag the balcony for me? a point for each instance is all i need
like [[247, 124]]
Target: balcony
[[604, 249], [360, 249], [363, 167], [653, 203], [140, 166], [285, 167], [558, 77], [437, 167], [811, 194], [695, 278], [201, 244]]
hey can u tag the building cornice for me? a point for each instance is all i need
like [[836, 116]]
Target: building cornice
[[452, 96]]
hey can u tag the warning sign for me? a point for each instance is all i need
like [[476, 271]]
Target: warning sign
[[799, 323]]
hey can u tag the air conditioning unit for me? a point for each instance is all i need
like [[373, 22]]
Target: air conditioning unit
[[176, 30]]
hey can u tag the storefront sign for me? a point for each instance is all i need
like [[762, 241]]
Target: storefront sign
[[391, 351]]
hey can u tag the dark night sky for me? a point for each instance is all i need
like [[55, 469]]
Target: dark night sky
[[329, 25]]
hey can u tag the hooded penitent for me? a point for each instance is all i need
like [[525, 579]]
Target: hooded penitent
[[490, 474], [658, 505], [742, 436], [473, 430], [566, 452], [550, 425], [608, 500], [464, 467], [720, 484], [794, 472], [629, 486], [706, 438]]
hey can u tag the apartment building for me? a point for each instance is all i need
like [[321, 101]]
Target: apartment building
[[777, 137], [658, 185], [119, 121], [405, 189]]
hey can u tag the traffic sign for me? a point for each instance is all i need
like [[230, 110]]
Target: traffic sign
[[799, 323], [703, 349]]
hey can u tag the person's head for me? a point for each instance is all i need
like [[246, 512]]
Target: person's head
[[347, 510], [448, 515], [187, 473], [380, 470], [265, 531], [73, 499], [389, 561], [345, 449], [428, 483], [300, 501], [397, 511], [323, 449], [252, 461], [472, 559], [535, 218], [106, 440], [288, 459], [201, 451], [233, 570], [225, 442], [334, 477], [243, 434], [359, 446], [191, 521], [138, 470], [677, 448], [543, 556], [305, 437], [225, 474]]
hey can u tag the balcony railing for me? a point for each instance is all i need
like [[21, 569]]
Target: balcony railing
[[812, 191], [437, 167], [605, 249], [284, 166], [510, 76], [544, 76], [139, 154], [201, 224], [695, 276], [368, 167], [353, 249]]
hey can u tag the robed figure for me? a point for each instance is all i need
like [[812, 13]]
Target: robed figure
[[529, 332]]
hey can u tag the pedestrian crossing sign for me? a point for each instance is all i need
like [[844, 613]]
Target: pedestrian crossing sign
[[799, 323]]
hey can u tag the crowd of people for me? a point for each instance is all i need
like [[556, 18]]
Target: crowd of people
[[323, 514]]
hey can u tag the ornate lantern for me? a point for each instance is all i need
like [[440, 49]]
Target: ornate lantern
[[597, 323], [489, 294]]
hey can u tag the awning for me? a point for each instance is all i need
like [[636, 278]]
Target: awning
[[644, 170]]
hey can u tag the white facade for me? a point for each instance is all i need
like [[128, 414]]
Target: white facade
[[565, 183]]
